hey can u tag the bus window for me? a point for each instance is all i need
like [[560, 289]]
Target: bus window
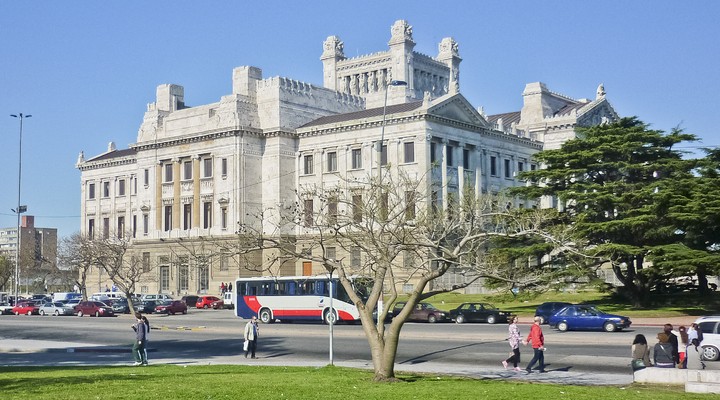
[[291, 288]]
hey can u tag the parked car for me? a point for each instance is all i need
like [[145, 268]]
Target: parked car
[[587, 317], [546, 310], [96, 308], [56, 308], [6, 308], [171, 307], [146, 307], [478, 312], [217, 305], [155, 297], [25, 307], [205, 301], [190, 300], [122, 307], [710, 327], [422, 312]]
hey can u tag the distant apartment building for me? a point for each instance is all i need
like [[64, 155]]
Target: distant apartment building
[[200, 171], [38, 251]]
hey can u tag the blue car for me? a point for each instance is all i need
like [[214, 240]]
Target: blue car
[[585, 317]]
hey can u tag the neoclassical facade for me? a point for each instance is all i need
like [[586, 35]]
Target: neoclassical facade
[[201, 171]]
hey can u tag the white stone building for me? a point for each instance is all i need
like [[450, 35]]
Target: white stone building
[[200, 171]]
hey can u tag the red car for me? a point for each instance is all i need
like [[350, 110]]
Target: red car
[[217, 305], [205, 301], [26, 307], [96, 308], [171, 307]]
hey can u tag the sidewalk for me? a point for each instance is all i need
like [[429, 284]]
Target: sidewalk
[[52, 353]]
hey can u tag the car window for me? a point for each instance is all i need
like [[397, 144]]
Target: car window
[[58, 304], [708, 327]]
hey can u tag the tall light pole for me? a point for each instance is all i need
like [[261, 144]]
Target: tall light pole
[[20, 209], [379, 165]]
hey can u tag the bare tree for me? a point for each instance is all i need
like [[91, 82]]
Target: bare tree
[[78, 253], [395, 231], [7, 270]]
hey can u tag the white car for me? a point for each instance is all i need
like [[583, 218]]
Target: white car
[[5, 308], [710, 327]]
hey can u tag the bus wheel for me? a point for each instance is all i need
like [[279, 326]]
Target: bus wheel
[[330, 317], [265, 316]]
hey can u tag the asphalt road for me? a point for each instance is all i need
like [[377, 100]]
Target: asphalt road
[[215, 335]]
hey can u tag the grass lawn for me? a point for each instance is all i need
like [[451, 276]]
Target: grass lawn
[[259, 382], [666, 306]]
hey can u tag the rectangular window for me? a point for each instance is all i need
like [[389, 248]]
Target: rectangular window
[[308, 164], [134, 226], [433, 152], [203, 278], [106, 189], [308, 213], [146, 262], [121, 187], [330, 253], [355, 257], [332, 211], [223, 218], [466, 159], [521, 166], [223, 167], [168, 172], [91, 191], [183, 273], [357, 208], [146, 177], [146, 224], [409, 205], [91, 228], [207, 215], [383, 155], [207, 168], [532, 167], [224, 263], [134, 184], [449, 155], [187, 216], [493, 166], [164, 278], [332, 161], [106, 228], [356, 158], [187, 170], [409, 152], [506, 167], [120, 227], [168, 218]]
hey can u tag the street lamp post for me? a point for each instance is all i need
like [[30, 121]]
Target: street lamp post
[[379, 164], [20, 209]]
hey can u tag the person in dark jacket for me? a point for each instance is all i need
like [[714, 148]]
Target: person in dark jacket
[[662, 352], [673, 340], [140, 340]]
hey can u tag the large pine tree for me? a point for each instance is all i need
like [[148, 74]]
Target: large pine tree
[[612, 183]]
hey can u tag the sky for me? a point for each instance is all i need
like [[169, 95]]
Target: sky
[[85, 70]]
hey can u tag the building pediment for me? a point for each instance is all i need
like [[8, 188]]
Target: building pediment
[[457, 108]]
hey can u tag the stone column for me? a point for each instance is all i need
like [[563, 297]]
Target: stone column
[[176, 207], [158, 195], [443, 171], [196, 192]]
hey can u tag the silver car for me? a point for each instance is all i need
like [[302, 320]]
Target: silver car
[[55, 308]]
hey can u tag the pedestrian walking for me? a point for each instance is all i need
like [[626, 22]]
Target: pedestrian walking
[[537, 340], [514, 340], [139, 344], [252, 332], [147, 337]]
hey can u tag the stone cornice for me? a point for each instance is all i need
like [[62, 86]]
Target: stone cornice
[[353, 125], [194, 138], [484, 131], [106, 163]]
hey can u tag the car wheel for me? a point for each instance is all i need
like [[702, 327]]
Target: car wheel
[[184, 311], [205, 306], [432, 318], [17, 312], [80, 313], [460, 319], [265, 316], [710, 353], [42, 313], [609, 327], [330, 317], [562, 326], [171, 312], [491, 319], [97, 313], [542, 319], [57, 313], [29, 312]]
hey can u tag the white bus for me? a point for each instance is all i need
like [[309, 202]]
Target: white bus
[[297, 298]]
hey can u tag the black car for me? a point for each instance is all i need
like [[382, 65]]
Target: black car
[[478, 312], [146, 307], [190, 300], [546, 310]]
